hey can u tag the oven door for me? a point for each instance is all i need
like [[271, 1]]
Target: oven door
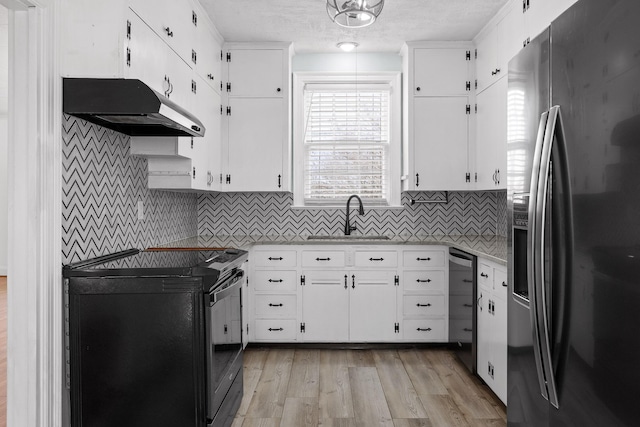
[[224, 341]]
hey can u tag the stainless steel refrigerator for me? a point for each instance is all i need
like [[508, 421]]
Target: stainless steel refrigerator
[[574, 221]]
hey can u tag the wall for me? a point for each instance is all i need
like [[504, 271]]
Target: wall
[[102, 184], [271, 214], [341, 62], [4, 89]]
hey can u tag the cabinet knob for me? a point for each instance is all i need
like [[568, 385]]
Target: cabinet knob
[[210, 76], [168, 31], [278, 90], [484, 275], [418, 89]]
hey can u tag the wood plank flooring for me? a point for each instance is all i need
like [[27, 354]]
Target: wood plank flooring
[[406, 387], [3, 351]]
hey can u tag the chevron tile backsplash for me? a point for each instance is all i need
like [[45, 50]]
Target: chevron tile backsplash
[[102, 184], [271, 214]]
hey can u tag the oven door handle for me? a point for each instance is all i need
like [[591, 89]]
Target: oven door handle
[[235, 281]]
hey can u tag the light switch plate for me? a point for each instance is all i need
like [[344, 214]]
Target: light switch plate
[[140, 209]]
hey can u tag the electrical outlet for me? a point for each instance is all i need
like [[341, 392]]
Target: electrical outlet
[[140, 209]]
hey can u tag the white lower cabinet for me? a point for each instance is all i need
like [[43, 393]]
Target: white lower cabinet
[[492, 327], [348, 293], [425, 285]]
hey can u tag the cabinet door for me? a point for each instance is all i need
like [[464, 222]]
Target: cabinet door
[[372, 309], [325, 306], [440, 72], [491, 137], [441, 130], [209, 61], [171, 20], [484, 335], [256, 72], [255, 145], [499, 350], [509, 38], [208, 148], [487, 60]]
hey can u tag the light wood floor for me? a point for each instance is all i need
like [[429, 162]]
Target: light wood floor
[[3, 351], [363, 388]]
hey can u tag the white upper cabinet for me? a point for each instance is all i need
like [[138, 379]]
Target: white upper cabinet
[[257, 72], [538, 14], [437, 109], [496, 46], [441, 71], [257, 119], [491, 138]]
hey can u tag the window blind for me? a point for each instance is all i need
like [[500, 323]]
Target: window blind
[[346, 143]]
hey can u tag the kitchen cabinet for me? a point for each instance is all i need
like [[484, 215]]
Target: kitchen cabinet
[[492, 326], [338, 302], [538, 14], [496, 45], [256, 117], [348, 306], [424, 287], [491, 137], [273, 289], [437, 108]]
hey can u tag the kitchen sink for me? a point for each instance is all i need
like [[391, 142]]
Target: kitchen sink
[[349, 237]]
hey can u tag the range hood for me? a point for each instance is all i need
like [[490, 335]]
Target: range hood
[[128, 106]]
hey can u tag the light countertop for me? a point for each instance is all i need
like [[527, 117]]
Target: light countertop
[[493, 248]]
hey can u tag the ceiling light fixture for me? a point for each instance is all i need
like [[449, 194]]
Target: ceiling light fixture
[[354, 13], [347, 46]]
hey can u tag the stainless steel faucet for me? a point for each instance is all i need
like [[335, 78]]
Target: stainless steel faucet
[[347, 227]]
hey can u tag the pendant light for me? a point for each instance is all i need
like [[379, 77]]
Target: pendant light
[[354, 13]]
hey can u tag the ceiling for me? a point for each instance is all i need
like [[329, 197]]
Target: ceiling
[[306, 23]]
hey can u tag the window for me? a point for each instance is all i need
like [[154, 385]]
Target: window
[[345, 141]]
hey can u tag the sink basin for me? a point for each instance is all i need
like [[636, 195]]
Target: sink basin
[[349, 237]]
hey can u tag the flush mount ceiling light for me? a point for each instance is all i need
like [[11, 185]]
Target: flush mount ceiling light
[[354, 13], [347, 46]]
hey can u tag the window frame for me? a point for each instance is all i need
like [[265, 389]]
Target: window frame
[[394, 80]]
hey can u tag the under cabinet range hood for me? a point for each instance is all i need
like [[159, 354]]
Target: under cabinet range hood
[[128, 106]]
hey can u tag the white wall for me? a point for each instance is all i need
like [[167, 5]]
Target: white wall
[[347, 62], [4, 30]]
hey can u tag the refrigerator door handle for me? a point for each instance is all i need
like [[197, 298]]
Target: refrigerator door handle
[[553, 129], [532, 259]]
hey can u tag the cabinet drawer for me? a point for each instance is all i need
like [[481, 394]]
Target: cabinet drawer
[[274, 258], [424, 305], [275, 330], [272, 306], [485, 276], [460, 330], [424, 330], [376, 259], [427, 280], [460, 282], [461, 306], [274, 280], [323, 259], [423, 258]]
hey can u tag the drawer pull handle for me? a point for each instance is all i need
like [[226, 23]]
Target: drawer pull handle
[[345, 281], [275, 329], [376, 259], [275, 259], [423, 330], [323, 259], [468, 305], [484, 275], [423, 281], [423, 305], [468, 330], [504, 284], [275, 305], [467, 281], [423, 259], [275, 280]]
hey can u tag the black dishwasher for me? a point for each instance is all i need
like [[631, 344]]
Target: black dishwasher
[[462, 307], [151, 335]]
